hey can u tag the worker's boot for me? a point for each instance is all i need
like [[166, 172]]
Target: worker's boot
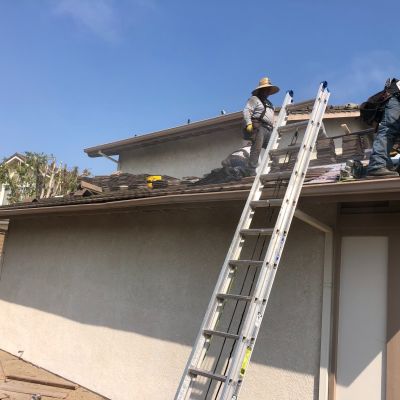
[[382, 173]]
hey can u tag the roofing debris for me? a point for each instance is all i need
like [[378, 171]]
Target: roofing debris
[[20, 380], [123, 181]]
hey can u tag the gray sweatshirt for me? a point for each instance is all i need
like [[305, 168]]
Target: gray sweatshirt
[[254, 108]]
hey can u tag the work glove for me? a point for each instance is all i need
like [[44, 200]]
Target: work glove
[[249, 128]]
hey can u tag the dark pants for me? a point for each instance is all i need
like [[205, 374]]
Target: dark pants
[[259, 139], [389, 130]]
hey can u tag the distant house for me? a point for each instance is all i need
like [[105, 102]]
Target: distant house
[[3, 231], [4, 191], [109, 289], [14, 160]]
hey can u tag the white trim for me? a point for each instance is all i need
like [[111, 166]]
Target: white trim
[[326, 302], [2, 194], [326, 318], [15, 158], [106, 156], [208, 126]]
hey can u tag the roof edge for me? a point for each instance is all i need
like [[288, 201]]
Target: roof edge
[[325, 191], [197, 128], [175, 132]]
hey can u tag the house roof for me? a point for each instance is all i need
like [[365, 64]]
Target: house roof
[[15, 156], [180, 194], [124, 190], [212, 125]]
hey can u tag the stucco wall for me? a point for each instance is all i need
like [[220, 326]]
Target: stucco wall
[[114, 302], [193, 156], [198, 155]]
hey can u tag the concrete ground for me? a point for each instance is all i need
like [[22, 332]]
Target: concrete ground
[[20, 380]]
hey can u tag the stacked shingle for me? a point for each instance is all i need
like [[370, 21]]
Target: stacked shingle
[[352, 148], [326, 151]]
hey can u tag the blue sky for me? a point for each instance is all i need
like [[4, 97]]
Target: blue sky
[[78, 73]]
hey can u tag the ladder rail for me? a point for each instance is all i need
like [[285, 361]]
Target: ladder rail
[[244, 347], [223, 283], [257, 302]]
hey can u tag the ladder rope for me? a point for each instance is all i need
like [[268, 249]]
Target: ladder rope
[[259, 283], [233, 314], [270, 213]]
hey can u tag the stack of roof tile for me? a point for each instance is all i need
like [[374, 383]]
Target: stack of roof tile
[[352, 148], [325, 151], [284, 159], [117, 181], [127, 181]]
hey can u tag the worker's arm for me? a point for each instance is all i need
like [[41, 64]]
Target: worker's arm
[[249, 109]]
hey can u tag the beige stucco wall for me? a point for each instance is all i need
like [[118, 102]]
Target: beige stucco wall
[[114, 301], [196, 156], [192, 156]]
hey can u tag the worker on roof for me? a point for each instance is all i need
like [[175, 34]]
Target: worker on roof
[[258, 115], [380, 163]]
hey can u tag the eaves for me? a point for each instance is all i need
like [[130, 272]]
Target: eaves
[[363, 190], [208, 126]]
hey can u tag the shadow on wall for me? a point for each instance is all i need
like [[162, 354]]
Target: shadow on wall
[[152, 273]]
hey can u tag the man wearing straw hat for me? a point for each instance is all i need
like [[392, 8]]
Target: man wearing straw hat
[[258, 115]]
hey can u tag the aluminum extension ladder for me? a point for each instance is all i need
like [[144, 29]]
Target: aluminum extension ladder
[[243, 343]]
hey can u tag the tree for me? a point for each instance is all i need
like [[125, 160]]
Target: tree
[[38, 176]]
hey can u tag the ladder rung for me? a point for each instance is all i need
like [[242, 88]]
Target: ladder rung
[[254, 301], [207, 374], [292, 127], [286, 150], [230, 296], [266, 203], [300, 105], [275, 176], [245, 263], [253, 231], [227, 335]]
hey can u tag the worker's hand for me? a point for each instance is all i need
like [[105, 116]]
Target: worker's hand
[[249, 128]]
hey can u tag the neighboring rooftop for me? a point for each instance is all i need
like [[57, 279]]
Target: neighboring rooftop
[[208, 126], [15, 157]]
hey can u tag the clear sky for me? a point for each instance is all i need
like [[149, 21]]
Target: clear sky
[[78, 73]]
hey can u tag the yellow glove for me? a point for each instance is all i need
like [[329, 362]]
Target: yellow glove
[[249, 128]]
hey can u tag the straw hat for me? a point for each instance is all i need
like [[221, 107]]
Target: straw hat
[[266, 83]]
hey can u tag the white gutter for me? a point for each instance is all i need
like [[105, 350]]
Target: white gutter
[[326, 301], [198, 128]]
